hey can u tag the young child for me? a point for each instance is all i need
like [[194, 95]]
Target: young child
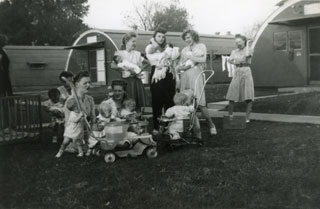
[[104, 117], [179, 111], [128, 112], [74, 128], [126, 67], [55, 107]]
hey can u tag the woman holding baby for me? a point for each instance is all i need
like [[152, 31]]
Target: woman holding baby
[[162, 77], [192, 63], [130, 61]]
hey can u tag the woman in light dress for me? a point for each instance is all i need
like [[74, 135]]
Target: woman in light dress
[[241, 87]]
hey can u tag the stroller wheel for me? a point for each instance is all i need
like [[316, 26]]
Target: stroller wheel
[[151, 152], [109, 158]]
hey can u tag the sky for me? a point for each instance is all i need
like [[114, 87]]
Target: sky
[[207, 16]]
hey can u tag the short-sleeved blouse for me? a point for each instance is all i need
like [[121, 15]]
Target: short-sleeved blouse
[[240, 56]]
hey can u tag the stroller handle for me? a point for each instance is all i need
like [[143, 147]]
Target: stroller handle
[[195, 103]]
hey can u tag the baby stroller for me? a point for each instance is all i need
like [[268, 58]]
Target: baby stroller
[[187, 137], [121, 141]]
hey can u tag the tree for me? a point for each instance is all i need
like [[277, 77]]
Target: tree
[[151, 15], [42, 21], [252, 30]]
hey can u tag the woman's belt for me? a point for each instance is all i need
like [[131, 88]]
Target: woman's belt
[[243, 65]]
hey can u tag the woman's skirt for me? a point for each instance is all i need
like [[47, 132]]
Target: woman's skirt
[[135, 90], [241, 87], [188, 81]]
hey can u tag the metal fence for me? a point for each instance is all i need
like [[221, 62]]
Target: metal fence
[[20, 118]]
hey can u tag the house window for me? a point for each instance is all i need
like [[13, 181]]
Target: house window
[[37, 65], [280, 41], [295, 39]]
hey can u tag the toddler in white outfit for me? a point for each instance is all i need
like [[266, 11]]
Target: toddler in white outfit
[[74, 128], [179, 112]]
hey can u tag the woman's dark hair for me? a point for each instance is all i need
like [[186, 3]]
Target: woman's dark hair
[[80, 75], [194, 35], [241, 37], [127, 37], [163, 31], [119, 83], [65, 74]]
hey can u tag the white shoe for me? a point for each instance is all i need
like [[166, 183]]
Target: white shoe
[[80, 154], [213, 131], [88, 153], [59, 154], [247, 121]]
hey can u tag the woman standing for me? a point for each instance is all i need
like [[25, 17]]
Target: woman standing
[[163, 83], [241, 87], [135, 88], [195, 52]]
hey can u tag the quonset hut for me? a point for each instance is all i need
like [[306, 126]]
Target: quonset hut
[[93, 51], [287, 46]]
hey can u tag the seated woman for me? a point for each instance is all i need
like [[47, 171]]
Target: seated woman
[[118, 96], [86, 106]]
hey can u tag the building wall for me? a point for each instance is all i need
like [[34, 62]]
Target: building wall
[[273, 68], [36, 67]]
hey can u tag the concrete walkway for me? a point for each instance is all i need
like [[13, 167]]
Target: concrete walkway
[[272, 117]]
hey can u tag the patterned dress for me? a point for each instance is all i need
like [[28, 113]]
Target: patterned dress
[[135, 89], [241, 87], [198, 52]]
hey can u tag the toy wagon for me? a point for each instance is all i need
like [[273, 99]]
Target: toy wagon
[[119, 142]]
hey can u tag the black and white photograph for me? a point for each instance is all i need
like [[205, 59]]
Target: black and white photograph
[[160, 104]]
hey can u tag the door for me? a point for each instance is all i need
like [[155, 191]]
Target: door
[[314, 55]]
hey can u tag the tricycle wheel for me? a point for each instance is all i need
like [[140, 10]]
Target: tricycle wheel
[[109, 158], [151, 152]]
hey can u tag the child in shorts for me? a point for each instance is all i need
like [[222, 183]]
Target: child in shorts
[[74, 128]]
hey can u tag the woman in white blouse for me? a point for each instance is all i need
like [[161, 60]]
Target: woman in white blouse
[[130, 60]]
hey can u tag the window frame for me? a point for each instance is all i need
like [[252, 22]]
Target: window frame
[[289, 41], [274, 41]]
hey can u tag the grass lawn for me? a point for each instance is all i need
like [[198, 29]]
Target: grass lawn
[[298, 104], [267, 165]]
